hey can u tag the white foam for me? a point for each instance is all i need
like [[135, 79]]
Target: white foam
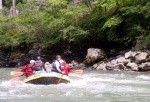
[[143, 77]]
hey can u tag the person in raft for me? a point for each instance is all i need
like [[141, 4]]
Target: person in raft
[[60, 66], [39, 65], [65, 68], [28, 69]]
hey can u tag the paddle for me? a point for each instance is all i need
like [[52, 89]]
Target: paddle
[[16, 76], [77, 72], [60, 79]]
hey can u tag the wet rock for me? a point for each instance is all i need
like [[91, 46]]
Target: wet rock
[[116, 67], [94, 54], [100, 66], [133, 66]]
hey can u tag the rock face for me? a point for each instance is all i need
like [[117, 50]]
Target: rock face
[[18, 58], [94, 54], [3, 59]]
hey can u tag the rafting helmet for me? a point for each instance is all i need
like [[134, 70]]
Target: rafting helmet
[[58, 56], [38, 57], [32, 61]]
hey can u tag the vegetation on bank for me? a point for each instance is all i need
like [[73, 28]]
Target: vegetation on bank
[[63, 23]]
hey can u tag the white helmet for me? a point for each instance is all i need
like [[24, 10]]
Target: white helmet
[[32, 61]]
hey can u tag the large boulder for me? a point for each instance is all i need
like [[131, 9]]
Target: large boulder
[[94, 55], [133, 66], [141, 57]]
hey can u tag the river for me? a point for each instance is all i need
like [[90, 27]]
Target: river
[[94, 86]]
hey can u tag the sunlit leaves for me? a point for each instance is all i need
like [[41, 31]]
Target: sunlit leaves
[[113, 22]]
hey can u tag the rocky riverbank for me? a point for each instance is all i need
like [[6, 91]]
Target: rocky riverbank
[[95, 58], [128, 61]]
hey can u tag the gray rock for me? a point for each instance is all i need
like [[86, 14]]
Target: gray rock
[[121, 60], [94, 54], [141, 57], [95, 66], [101, 66], [116, 67], [145, 66], [133, 66], [113, 62], [130, 54]]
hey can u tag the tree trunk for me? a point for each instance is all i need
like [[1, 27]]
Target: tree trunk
[[13, 7], [1, 7]]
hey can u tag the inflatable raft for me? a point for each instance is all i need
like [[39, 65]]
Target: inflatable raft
[[47, 78]]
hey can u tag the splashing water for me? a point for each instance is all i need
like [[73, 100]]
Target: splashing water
[[94, 86]]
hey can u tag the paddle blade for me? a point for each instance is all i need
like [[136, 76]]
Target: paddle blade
[[78, 72], [16, 74], [14, 79]]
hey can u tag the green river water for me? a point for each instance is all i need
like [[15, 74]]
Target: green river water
[[94, 86]]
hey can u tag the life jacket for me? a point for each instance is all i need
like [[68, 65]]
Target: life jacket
[[28, 70], [54, 66], [38, 65], [66, 69]]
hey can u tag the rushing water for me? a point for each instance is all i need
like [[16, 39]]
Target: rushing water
[[96, 86]]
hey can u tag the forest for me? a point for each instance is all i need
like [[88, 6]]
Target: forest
[[75, 24]]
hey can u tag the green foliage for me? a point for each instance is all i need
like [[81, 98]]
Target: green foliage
[[60, 22], [74, 34], [113, 22], [143, 42]]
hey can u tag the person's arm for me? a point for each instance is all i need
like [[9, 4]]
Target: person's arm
[[23, 69], [44, 67], [58, 66]]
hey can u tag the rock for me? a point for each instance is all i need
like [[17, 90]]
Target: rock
[[75, 65], [67, 52], [130, 54], [101, 66], [114, 61], [141, 57], [121, 60], [148, 59], [95, 66], [133, 66], [15, 59], [94, 54], [144, 66], [122, 52], [116, 67], [81, 66]]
